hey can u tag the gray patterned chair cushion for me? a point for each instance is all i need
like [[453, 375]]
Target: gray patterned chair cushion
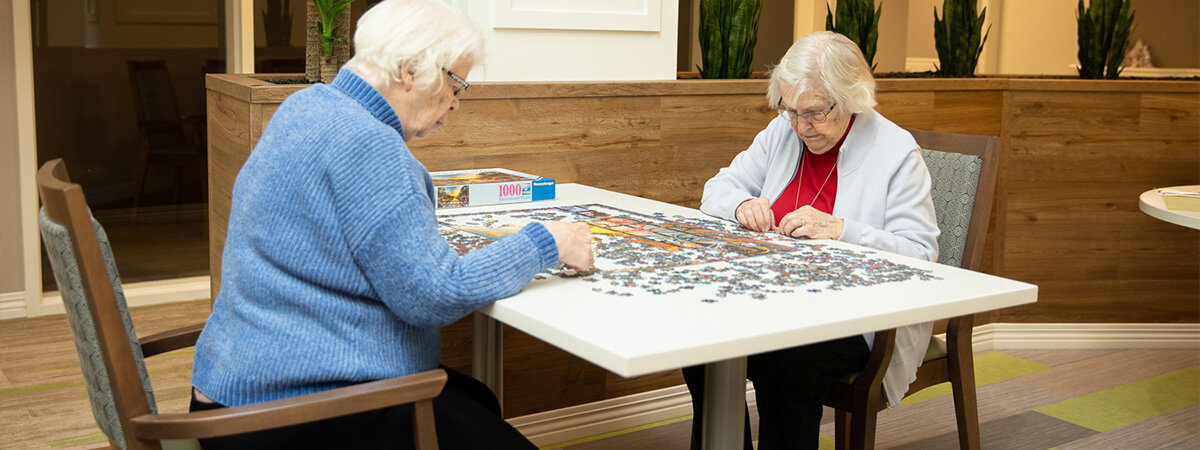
[[79, 317], [955, 179]]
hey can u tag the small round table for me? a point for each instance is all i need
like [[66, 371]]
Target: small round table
[[1152, 204]]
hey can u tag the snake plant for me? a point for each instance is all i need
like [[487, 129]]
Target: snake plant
[[859, 21], [1104, 29], [959, 37], [728, 33]]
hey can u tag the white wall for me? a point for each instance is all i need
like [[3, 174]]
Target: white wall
[[1037, 37], [576, 40]]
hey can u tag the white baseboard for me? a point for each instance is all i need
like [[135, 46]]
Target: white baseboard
[[604, 416], [12, 305], [139, 294], [1093, 335], [622, 413]]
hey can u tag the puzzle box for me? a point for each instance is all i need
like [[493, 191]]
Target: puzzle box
[[459, 188]]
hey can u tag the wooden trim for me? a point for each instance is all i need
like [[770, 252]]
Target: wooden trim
[[258, 90], [293, 410], [170, 340], [1022, 84], [239, 36], [27, 160], [1032, 83]]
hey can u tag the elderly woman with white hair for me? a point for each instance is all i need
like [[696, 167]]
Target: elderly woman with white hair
[[828, 167], [334, 273]]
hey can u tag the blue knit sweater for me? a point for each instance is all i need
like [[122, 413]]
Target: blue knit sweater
[[334, 272]]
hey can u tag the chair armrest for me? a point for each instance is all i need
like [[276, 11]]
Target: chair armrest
[[170, 340], [292, 411]]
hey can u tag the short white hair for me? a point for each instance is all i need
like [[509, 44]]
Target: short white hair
[[828, 65], [428, 34]]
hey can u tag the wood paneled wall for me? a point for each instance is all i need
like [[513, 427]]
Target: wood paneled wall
[[1074, 157], [1076, 161]]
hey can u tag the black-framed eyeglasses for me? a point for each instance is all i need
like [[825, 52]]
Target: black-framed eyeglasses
[[457, 79], [813, 117]]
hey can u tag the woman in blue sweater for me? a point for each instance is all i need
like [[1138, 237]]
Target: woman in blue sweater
[[334, 273]]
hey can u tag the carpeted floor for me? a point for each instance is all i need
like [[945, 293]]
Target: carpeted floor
[[1029, 399]]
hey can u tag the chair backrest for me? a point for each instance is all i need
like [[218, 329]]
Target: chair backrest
[[154, 101], [963, 168], [110, 356]]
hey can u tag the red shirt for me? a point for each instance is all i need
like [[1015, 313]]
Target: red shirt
[[812, 172]]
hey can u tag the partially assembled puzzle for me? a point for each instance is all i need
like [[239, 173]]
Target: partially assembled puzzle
[[639, 254]]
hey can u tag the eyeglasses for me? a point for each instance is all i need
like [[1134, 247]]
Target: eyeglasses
[[813, 117], [457, 91]]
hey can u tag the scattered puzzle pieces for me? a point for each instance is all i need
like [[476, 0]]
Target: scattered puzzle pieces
[[657, 255]]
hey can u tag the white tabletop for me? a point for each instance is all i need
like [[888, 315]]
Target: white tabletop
[[638, 334], [1152, 204]]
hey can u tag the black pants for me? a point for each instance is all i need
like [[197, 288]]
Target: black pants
[[789, 385], [466, 413]]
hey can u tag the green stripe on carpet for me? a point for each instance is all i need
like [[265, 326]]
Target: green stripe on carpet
[[1131, 402], [616, 433], [39, 388], [76, 440], [824, 442], [990, 368]]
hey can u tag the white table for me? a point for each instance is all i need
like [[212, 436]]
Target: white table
[[633, 336], [1151, 203]]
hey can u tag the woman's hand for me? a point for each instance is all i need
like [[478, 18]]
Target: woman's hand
[[756, 214], [574, 242], [811, 223]]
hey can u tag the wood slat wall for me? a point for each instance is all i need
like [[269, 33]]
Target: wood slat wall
[[1074, 157], [1075, 164]]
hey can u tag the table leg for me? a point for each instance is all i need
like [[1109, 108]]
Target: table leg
[[724, 404], [487, 356]]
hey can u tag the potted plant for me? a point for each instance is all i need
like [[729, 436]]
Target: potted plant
[[327, 47], [1104, 29], [857, 20], [728, 33], [959, 37]]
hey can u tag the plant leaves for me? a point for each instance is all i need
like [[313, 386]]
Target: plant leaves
[[728, 33], [1103, 28], [957, 37]]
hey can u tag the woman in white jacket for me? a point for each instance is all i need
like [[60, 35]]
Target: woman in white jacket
[[829, 167]]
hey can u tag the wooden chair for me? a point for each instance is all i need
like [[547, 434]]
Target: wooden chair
[[167, 138], [111, 355], [963, 168]]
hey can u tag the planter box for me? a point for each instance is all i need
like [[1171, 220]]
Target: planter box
[[1075, 155]]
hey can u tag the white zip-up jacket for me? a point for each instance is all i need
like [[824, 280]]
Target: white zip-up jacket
[[883, 196]]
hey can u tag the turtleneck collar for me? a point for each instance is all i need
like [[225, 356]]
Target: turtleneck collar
[[370, 98]]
